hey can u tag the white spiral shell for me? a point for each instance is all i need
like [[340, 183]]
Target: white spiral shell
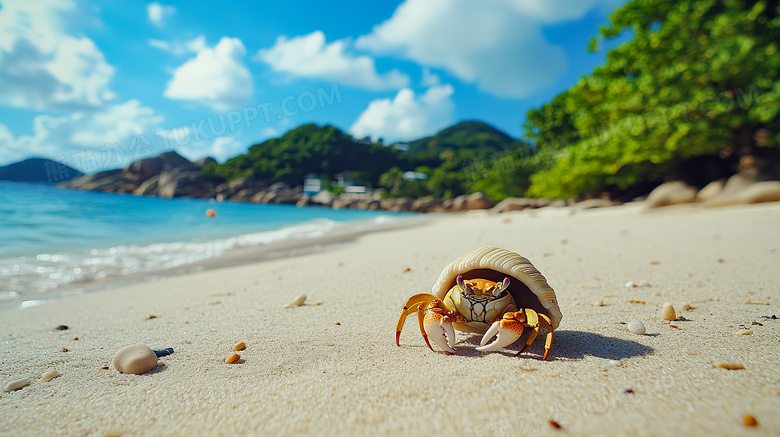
[[508, 263]]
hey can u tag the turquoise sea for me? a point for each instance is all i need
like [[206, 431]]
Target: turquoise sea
[[55, 239]]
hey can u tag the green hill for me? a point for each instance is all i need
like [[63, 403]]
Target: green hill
[[325, 151], [466, 140]]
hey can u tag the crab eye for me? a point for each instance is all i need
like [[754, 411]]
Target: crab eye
[[462, 285], [504, 285]]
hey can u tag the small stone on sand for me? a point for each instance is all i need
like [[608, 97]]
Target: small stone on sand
[[298, 301], [239, 346], [636, 327], [667, 312], [630, 284], [729, 365], [232, 358], [615, 362], [749, 420], [598, 303], [64, 349], [136, 359], [16, 385], [62, 328], [51, 374], [745, 332]]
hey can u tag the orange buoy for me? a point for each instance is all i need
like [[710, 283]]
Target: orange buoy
[[211, 213]]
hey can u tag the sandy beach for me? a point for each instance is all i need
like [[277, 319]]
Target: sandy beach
[[334, 368]]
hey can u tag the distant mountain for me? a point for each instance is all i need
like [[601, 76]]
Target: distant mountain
[[465, 140], [38, 170], [324, 151]]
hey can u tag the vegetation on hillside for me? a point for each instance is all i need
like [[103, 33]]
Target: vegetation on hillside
[[698, 78]]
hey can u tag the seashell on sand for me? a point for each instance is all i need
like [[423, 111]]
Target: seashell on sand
[[298, 301], [136, 359], [51, 374], [636, 327], [667, 312], [16, 385], [729, 365]]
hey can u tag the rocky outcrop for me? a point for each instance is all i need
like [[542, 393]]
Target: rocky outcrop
[[167, 175]]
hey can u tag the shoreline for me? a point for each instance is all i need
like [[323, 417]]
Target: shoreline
[[234, 257], [331, 367]]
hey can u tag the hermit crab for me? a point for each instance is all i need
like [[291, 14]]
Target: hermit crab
[[488, 290]]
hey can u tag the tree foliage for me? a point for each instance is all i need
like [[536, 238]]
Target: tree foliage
[[698, 77]]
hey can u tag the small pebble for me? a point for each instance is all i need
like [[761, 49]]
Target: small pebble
[[64, 349], [298, 301], [16, 385], [75, 338], [749, 420], [598, 303], [630, 284], [239, 346], [150, 317], [745, 332], [729, 365], [51, 374], [135, 359], [338, 323], [407, 270], [163, 352], [636, 327], [555, 424], [62, 328], [667, 312], [615, 362], [232, 358]]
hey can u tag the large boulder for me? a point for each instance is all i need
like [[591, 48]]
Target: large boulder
[[513, 204], [671, 193], [183, 184], [139, 171], [478, 201], [425, 204], [111, 180], [741, 189], [710, 190], [324, 198]]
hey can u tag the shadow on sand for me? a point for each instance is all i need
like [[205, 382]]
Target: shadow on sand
[[567, 345]]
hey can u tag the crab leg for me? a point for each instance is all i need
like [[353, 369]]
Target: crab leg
[[439, 327], [506, 330], [547, 324], [411, 306]]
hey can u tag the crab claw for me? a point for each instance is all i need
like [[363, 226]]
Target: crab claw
[[508, 330], [438, 327]]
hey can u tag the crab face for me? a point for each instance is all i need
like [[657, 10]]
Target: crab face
[[480, 302]]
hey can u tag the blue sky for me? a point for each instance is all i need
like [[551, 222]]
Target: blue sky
[[98, 84]]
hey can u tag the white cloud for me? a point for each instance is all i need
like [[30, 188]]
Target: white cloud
[[499, 45], [179, 48], [216, 77], [157, 12], [407, 117], [70, 136], [554, 11], [45, 68], [311, 57], [429, 79]]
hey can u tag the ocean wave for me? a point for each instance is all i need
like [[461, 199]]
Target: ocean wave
[[29, 276]]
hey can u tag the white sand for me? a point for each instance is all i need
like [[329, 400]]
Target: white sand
[[305, 375]]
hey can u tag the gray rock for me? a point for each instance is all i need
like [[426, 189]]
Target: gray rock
[[478, 201], [139, 171], [324, 198], [594, 203]]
